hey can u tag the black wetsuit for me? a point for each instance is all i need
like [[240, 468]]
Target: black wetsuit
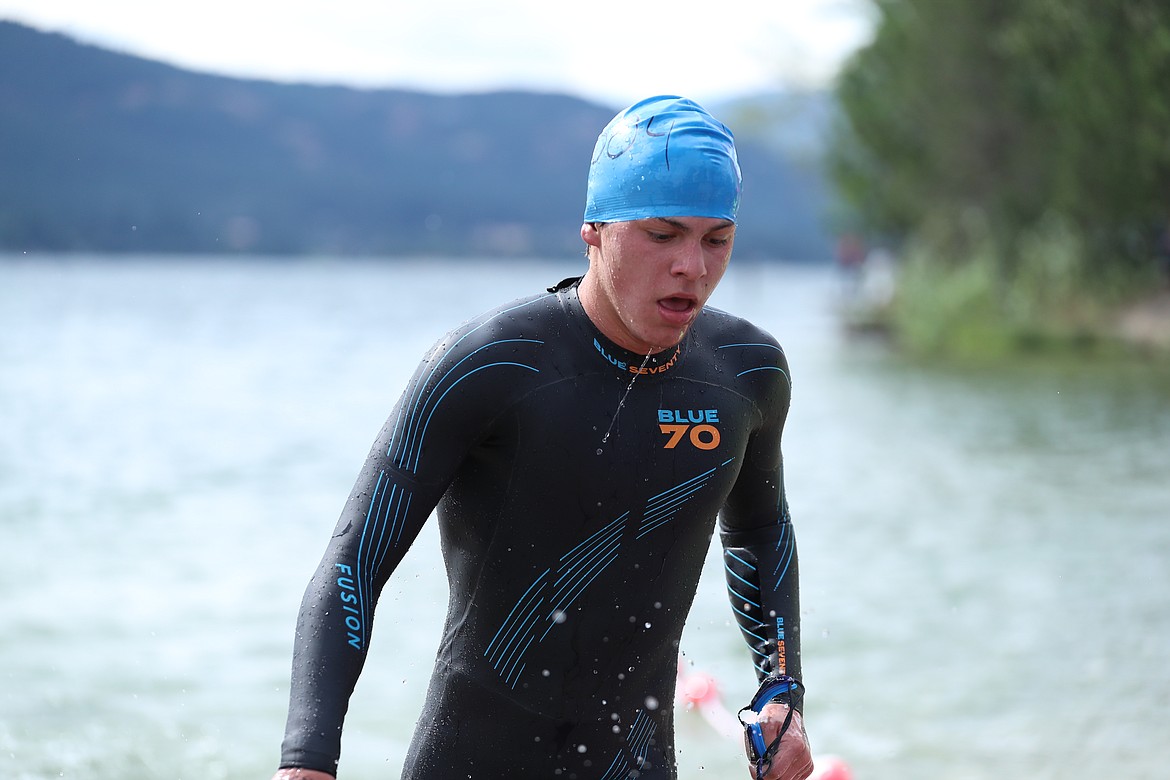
[[577, 489]]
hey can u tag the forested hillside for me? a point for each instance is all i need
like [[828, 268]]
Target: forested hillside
[[101, 151]]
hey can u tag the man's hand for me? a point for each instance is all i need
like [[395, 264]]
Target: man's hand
[[302, 774], [793, 759]]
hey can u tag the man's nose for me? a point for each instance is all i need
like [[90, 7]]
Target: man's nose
[[690, 262]]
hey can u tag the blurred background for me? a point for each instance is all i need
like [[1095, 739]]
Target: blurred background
[[229, 232]]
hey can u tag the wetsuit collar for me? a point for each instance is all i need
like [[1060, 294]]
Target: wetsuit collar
[[620, 358]]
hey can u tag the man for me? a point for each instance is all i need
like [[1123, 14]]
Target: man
[[578, 445]]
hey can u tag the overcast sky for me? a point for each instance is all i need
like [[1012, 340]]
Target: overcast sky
[[611, 51]]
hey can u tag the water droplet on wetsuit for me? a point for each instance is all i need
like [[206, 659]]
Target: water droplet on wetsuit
[[622, 402]]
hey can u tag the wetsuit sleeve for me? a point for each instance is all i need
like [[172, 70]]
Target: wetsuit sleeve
[[759, 546], [409, 466]]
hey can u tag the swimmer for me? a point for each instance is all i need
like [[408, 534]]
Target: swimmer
[[580, 445]]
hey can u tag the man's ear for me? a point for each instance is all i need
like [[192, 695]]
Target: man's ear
[[591, 234]]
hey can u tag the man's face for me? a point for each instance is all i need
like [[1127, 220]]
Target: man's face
[[648, 279]]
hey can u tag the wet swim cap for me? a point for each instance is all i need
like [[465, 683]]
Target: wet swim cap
[[663, 157]]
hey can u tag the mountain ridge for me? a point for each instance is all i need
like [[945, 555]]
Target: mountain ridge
[[110, 152]]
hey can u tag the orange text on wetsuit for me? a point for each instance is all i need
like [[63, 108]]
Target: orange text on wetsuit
[[781, 651], [695, 424], [655, 369]]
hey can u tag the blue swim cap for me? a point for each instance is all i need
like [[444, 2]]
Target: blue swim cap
[[663, 157]]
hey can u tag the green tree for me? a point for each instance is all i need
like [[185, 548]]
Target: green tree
[[976, 122]]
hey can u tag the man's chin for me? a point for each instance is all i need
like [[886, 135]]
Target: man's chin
[[664, 339]]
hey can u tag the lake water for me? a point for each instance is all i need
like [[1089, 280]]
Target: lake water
[[985, 554]]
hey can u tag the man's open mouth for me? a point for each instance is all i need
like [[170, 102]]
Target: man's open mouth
[[677, 304]]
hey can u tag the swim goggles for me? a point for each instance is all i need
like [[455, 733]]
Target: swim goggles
[[779, 688]]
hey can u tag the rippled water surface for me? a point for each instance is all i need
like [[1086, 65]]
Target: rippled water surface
[[985, 554]]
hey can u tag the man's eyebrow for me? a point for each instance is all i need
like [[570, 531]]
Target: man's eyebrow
[[686, 228]]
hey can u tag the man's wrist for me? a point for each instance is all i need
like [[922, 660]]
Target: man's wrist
[[781, 688]]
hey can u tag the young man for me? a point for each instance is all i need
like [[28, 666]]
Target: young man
[[579, 445]]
